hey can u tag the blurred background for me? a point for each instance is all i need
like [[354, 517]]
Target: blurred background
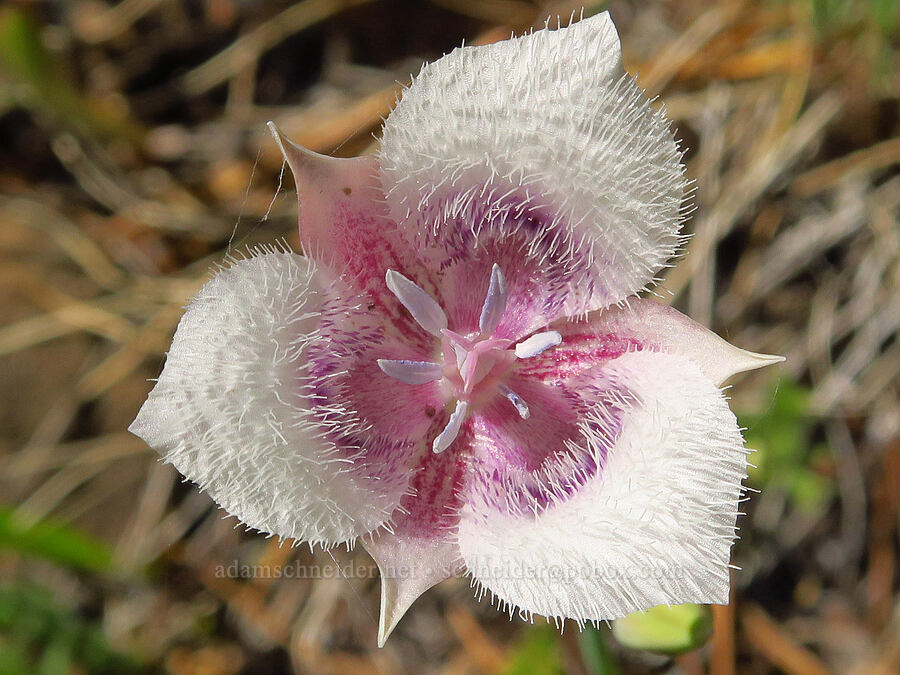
[[134, 153]]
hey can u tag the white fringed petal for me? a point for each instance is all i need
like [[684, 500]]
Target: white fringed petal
[[232, 407], [655, 526], [550, 122]]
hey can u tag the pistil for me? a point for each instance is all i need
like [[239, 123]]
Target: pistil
[[474, 365]]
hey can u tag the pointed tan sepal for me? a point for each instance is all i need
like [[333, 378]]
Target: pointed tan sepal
[[740, 361], [335, 194], [409, 566]]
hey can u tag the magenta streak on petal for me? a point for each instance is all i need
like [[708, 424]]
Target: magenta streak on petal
[[369, 245], [352, 391], [419, 550], [578, 353], [344, 223], [438, 478]]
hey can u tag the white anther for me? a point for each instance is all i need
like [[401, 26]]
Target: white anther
[[411, 372], [537, 343], [422, 306], [451, 431], [516, 400], [494, 302]]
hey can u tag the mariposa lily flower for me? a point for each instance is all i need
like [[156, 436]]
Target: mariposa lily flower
[[459, 372]]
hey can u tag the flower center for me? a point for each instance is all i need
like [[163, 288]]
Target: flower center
[[475, 365]]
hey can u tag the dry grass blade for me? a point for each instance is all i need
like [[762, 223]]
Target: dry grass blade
[[247, 49], [509, 12], [99, 26], [748, 187], [67, 235], [856, 164], [673, 57], [781, 649]]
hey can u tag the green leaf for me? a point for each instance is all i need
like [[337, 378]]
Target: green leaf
[[595, 652], [24, 58], [784, 458], [13, 657], [537, 653], [40, 636], [666, 629], [34, 77], [57, 543], [809, 491]]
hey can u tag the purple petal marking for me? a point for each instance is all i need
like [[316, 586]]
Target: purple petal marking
[[516, 400], [548, 274], [422, 306], [525, 465], [411, 372], [494, 302], [537, 343], [451, 431], [354, 398]]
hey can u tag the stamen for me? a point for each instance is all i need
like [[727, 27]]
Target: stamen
[[451, 431], [537, 343], [411, 372], [517, 401], [475, 356], [494, 302], [422, 306]]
